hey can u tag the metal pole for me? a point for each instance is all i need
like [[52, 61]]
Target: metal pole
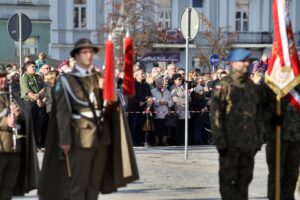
[[278, 152], [20, 42], [186, 83]]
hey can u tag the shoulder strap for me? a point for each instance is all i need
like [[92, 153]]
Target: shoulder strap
[[93, 110]]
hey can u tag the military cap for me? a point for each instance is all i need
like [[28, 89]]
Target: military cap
[[83, 43], [238, 55]]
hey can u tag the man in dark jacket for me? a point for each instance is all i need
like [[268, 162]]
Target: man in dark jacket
[[199, 104], [136, 105]]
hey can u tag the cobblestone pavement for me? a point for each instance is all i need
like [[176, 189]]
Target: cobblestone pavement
[[166, 176]]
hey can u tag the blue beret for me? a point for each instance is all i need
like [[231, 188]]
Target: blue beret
[[238, 55]]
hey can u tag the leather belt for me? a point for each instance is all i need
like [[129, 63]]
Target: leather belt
[[87, 114]]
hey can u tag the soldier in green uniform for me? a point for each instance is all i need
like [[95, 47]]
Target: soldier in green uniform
[[31, 85], [234, 120], [290, 143], [87, 135], [33, 92], [17, 174]]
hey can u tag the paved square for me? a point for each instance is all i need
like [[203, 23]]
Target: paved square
[[166, 176]]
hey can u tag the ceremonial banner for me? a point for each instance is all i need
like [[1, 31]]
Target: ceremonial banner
[[283, 71], [294, 99]]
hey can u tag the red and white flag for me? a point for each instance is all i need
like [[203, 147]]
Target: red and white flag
[[294, 99], [283, 73]]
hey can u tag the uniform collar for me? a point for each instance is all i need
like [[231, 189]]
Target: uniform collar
[[82, 72], [239, 77]]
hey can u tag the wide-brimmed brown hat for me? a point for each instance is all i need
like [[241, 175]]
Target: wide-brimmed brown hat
[[83, 43]]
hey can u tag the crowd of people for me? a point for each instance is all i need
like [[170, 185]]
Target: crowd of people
[[239, 104], [156, 113]]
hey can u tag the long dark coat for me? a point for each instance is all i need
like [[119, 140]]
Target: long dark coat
[[29, 169], [120, 170]]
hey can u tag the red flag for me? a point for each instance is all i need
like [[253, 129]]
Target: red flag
[[283, 71], [294, 99], [128, 82], [109, 91]]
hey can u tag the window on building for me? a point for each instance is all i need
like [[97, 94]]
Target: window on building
[[165, 14], [25, 1], [242, 15], [197, 3], [29, 47], [79, 14]]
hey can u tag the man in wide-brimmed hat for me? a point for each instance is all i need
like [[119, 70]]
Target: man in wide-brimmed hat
[[91, 138], [83, 44]]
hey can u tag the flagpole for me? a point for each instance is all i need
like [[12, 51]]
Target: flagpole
[[278, 150]]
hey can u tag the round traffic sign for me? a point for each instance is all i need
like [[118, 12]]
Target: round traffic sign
[[214, 60], [189, 23], [13, 26]]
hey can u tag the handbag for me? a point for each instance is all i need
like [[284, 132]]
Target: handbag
[[148, 125], [171, 119]]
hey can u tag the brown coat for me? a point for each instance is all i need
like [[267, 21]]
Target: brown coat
[[6, 141]]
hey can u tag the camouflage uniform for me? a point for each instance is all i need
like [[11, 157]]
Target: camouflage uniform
[[290, 143], [234, 120]]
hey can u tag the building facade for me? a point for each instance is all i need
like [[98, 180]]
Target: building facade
[[38, 12], [72, 20], [251, 20]]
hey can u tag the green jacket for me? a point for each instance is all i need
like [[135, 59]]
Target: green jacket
[[235, 113], [30, 83]]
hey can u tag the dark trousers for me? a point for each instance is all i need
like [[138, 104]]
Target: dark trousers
[[235, 174], [9, 172], [198, 134], [39, 121], [178, 133], [136, 122], [290, 161], [160, 128], [87, 167]]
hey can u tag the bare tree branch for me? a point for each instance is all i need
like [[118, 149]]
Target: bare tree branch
[[213, 40]]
